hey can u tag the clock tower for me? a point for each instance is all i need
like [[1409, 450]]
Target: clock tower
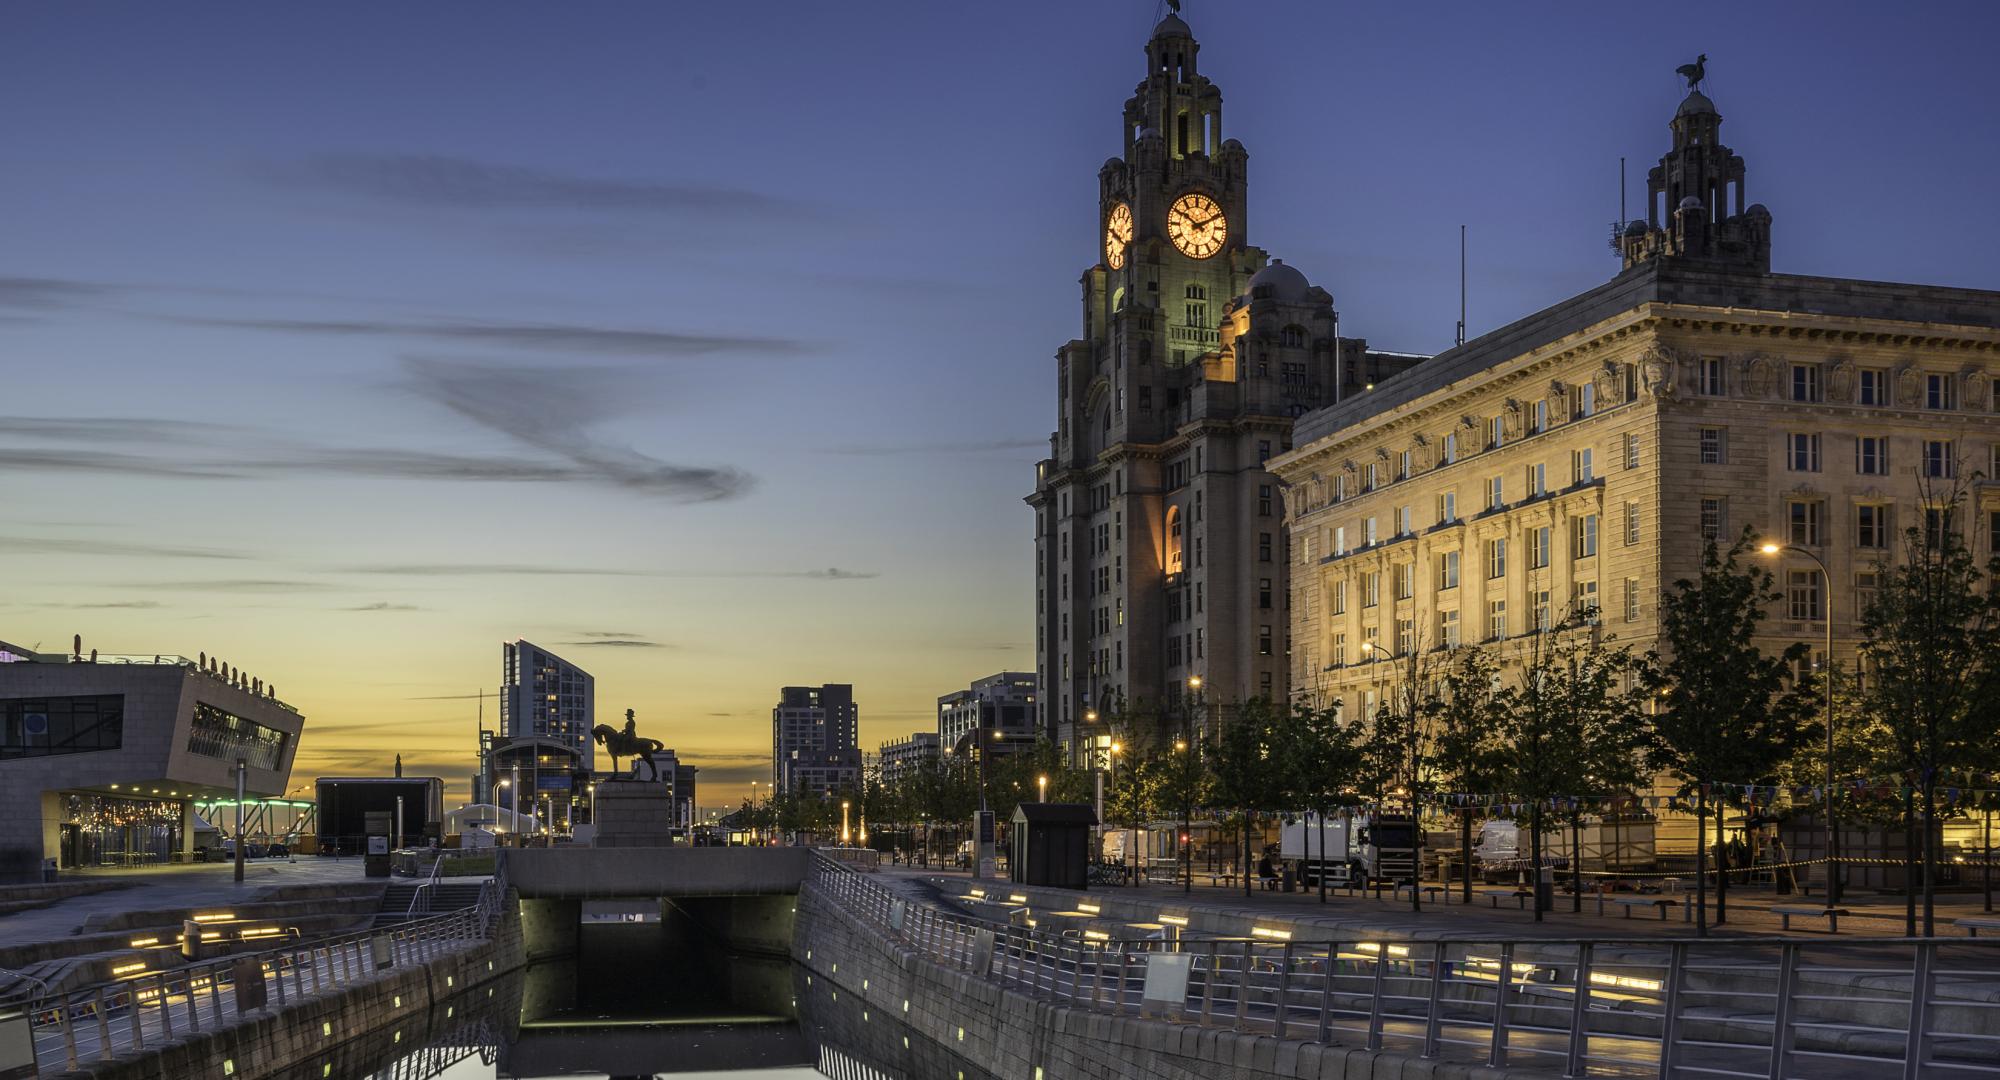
[[1160, 569]]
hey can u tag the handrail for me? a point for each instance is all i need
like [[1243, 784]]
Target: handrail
[[1754, 1006], [422, 895], [121, 1016]]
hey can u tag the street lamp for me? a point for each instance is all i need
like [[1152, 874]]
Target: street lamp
[[1832, 829], [843, 822], [1041, 789], [1186, 746], [514, 820]]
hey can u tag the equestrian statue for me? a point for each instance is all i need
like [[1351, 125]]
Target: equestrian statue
[[628, 743]]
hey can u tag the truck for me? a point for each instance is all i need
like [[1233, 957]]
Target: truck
[[1359, 848], [1618, 843]]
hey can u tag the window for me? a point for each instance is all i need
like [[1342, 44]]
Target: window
[[40, 727], [1174, 563], [1406, 580], [1264, 593], [1263, 547], [1340, 540], [1871, 455], [1451, 448], [1631, 599], [1871, 526], [1631, 451], [1802, 521], [1541, 417], [1447, 506], [1631, 523], [1802, 452], [1865, 584], [1371, 588], [1403, 465], [1371, 644], [1873, 388], [1338, 602], [220, 734], [1448, 629], [1579, 466], [1937, 522], [1993, 530], [1542, 611], [1406, 636], [1583, 536], [1802, 593], [1337, 654], [1263, 500], [1496, 620], [1805, 382], [1538, 548], [1584, 602], [1340, 487], [1368, 477], [1538, 480], [1448, 570], [1714, 377], [1264, 640], [1263, 451], [1496, 558], [1939, 392], [1496, 433], [1496, 495], [1713, 446], [1197, 314], [1586, 400], [1938, 459], [1714, 518], [1402, 521]]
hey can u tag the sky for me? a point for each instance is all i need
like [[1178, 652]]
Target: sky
[[711, 346]]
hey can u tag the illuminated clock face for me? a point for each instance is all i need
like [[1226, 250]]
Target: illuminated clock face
[[1117, 234], [1196, 225]]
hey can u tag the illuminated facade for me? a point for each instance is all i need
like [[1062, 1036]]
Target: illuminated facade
[[1159, 538], [544, 696], [1581, 457], [102, 760]]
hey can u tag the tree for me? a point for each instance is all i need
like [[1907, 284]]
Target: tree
[[1250, 774], [1465, 753], [1323, 754], [1929, 640], [1727, 711], [1569, 718]]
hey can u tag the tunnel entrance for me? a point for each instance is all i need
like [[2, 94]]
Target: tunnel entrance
[[663, 960]]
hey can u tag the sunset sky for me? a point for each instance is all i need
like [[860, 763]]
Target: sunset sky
[[710, 346]]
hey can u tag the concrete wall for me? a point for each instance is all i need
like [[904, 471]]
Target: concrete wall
[[578, 873], [1010, 1034]]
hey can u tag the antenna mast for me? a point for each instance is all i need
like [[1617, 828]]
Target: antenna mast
[[1461, 285]]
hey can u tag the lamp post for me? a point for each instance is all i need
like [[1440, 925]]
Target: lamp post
[[516, 801], [756, 831], [1832, 828], [1041, 789], [843, 822], [241, 765]]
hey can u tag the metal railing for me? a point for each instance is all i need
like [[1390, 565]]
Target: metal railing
[[129, 1014], [1778, 1008]]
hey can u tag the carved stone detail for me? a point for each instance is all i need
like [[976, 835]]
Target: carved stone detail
[[1840, 381], [1658, 373]]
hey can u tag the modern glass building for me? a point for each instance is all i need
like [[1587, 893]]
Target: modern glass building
[[542, 695], [103, 757]]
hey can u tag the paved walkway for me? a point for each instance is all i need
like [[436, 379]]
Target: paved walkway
[[151, 888], [1869, 915]]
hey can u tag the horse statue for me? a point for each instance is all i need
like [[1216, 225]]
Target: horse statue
[[628, 743]]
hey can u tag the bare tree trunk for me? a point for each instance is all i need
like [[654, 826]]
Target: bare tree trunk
[[1721, 864], [1321, 869], [1701, 859], [1930, 852], [1246, 855], [1576, 863], [1465, 851], [1535, 857], [1909, 862]]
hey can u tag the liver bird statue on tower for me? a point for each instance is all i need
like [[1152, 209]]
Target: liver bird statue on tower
[[1694, 73]]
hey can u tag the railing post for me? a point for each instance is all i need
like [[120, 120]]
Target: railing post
[[1284, 987], [1118, 1001], [1208, 985], [1579, 1015], [193, 999], [1920, 1010], [1496, 1057], [1434, 1018], [160, 999], [1670, 1008], [103, 1027], [135, 1008], [1243, 988], [1375, 996], [1781, 1019], [215, 993], [68, 1032], [1326, 991]]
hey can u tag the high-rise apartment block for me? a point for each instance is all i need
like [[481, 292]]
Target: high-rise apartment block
[[815, 739], [545, 696]]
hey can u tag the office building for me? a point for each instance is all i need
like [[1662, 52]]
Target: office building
[[544, 696], [815, 739]]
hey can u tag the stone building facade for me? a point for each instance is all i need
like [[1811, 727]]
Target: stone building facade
[[1583, 456], [1159, 541]]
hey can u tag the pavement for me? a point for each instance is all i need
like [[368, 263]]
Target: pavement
[[173, 886], [1869, 915]]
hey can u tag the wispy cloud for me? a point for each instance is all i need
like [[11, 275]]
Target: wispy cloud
[[617, 643], [479, 569], [44, 294], [613, 633], [448, 697], [38, 545], [539, 337], [113, 429], [990, 446], [553, 410], [235, 585], [110, 605], [835, 573], [90, 461], [435, 181], [383, 605]]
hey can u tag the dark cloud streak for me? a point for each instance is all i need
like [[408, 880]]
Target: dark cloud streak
[[540, 337]]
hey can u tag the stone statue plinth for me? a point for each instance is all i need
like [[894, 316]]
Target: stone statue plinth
[[634, 813]]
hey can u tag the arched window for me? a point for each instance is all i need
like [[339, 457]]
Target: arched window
[[1173, 539]]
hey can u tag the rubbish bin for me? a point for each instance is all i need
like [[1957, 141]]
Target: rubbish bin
[[1291, 878], [1545, 888], [49, 871]]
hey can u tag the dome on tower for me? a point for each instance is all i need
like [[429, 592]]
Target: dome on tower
[[1690, 203], [1285, 283], [1172, 26], [1697, 102]]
